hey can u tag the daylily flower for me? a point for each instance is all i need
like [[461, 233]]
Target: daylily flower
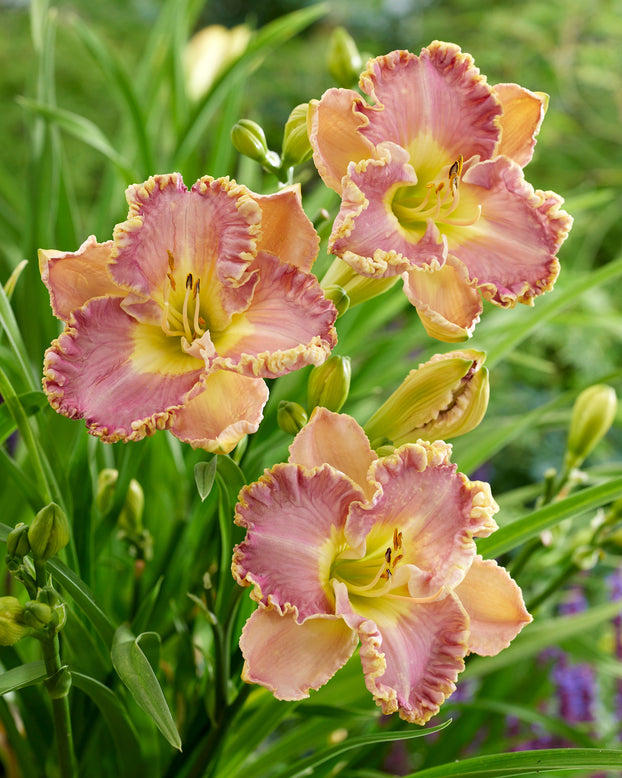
[[175, 322], [343, 546], [432, 187]]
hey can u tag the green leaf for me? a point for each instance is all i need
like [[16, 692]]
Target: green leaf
[[24, 675], [526, 527], [31, 402], [136, 673], [142, 618], [523, 762], [204, 474], [10, 327]]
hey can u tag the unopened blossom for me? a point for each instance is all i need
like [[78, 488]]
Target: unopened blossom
[[430, 173], [344, 548], [175, 322]]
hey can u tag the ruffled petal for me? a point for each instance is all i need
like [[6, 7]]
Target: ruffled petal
[[221, 411], [510, 252], [335, 439], [294, 520], [448, 305], [73, 278], [333, 126], [437, 510], [495, 606], [437, 106], [124, 378], [288, 324], [291, 658], [286, 229], [523, 112]]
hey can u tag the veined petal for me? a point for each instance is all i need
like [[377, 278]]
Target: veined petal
[[448, 305], [333, 126], [288, 324], [523, 112], [220, 411], [495, 606], [286, 229], [124, 378], [510, 252], [73, 278], [294, 520], [291, 658], [437, 106], [335, 439]]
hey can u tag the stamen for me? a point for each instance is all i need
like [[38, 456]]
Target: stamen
[[455, 171], [464, 222], [184, 310], [197, 319], [397, 539], [387, 556]]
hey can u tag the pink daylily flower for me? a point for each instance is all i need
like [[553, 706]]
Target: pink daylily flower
[[432, 187], [345, 547], [175, 322]]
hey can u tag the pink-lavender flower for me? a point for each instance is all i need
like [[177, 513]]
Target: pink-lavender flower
[[345, 547], [175, 322], [430, 175]]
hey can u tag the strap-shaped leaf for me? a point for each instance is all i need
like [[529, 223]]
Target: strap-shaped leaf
[[24, 675]]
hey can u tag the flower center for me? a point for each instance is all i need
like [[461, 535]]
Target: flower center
[[440, 202], [375, 571], [185, 320]]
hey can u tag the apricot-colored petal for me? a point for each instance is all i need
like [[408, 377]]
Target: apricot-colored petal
[[333, 126], [291, 658], [221, 411], [523, 112], [335, 439], [123, 378], [73, 278], [294, 520], [286, 229], [495, 606], [448, 305]]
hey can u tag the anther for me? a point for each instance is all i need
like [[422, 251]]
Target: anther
[[387, 556], [455, 172]]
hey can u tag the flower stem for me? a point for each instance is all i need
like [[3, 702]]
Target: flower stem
[[58, 689]]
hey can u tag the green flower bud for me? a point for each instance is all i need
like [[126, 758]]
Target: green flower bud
[[38, 615], [339, 298], [441, 399], [344, 61], [329, 383], [17, 544], [131, 516], [586, 557], [357, 287], [296, 146], [49, 532], [291, 417], [592, 416], [249, 139], [12, 628], [106, 484]]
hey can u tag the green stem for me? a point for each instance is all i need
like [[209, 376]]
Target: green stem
[[567, 572], [60, 708]]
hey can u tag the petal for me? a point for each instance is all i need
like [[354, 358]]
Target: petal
[[495, 606], [73, 278], [411, 653], [333, 126], [523, 112], [437, 106], [335, 439], [124, 378], [286, 230], [294, 520], [437, 510], [510, 252], [290, 658], [220, 412], [288, 324], [447, 303]]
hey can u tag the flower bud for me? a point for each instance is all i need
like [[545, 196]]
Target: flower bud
[[339, 298], [344, 61], [37, 615], [291, 417], [130, 519], [441, 399], [11, 627], [329, 383], [592, 416], [17, 544], [357, 287], [296, 146], [249, 139], [208, 54], [49, 532], [106, 484]]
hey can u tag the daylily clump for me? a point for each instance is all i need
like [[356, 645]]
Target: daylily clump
[[175, 322], [344, 547], [430, 172]]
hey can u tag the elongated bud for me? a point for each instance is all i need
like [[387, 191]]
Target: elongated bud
[[296, 146], [344, 61], [329, 383], [17, 541], [291, 417], [357, 287], [339, 298], [441, 399], [131, 516], [106, 483], [37, 615], [592, 416], [249, 139], [49, 532], [12, 628]]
